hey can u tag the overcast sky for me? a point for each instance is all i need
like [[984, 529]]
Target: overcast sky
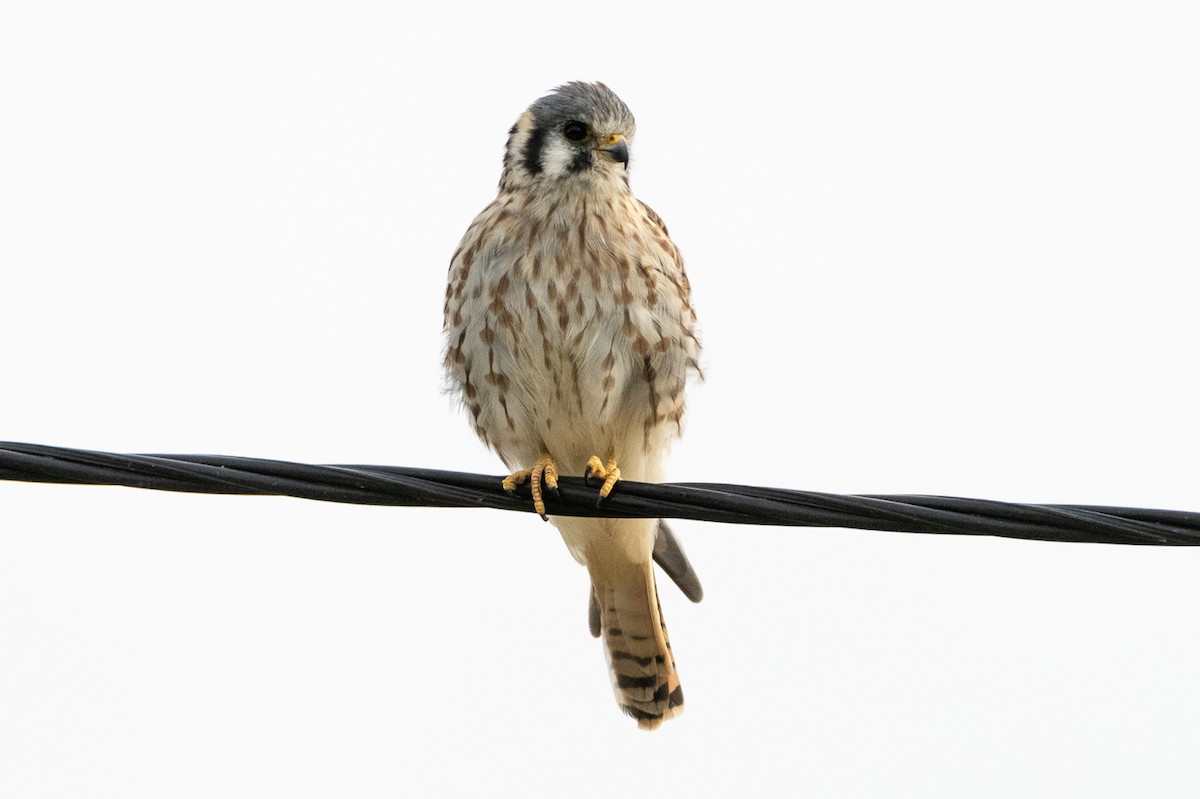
[[936, 248]]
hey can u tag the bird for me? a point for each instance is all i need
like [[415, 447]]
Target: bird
[[570, 337]]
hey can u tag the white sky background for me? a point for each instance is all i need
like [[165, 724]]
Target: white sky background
[[934, 250]]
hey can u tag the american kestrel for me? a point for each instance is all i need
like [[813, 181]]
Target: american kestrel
[[570, 336]]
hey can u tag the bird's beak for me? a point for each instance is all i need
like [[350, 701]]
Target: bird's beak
[[616, 148]]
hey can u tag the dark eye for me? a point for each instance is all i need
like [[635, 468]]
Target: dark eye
[[575, 131]]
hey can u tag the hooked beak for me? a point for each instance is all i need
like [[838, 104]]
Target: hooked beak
[[616, 148]]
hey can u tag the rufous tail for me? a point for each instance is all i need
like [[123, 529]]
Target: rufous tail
[[638, 650]]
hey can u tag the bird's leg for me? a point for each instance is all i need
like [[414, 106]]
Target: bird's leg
[[609, 473], [544, 470]]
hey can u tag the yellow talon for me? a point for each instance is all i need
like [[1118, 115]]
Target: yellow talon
[[515, 479], [610, 474], [544, 470]]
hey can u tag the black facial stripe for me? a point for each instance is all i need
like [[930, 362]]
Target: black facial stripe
[[532, 154], [582, 161]]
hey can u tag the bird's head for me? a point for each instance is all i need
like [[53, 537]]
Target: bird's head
[[579, 134]]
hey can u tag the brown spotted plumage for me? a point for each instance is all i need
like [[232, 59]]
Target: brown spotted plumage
[[569, 337]]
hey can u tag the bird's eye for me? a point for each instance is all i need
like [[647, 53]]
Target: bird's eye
[[575, 131]]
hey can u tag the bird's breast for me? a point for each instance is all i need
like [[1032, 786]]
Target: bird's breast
[[569, 329]]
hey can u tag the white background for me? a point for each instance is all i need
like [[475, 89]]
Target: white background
[[933, 249]]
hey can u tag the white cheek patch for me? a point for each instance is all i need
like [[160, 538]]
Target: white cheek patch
[[557, 157]]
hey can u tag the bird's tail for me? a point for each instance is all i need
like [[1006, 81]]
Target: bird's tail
[[638, 650]]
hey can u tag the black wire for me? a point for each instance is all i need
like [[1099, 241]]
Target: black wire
[[394, 485]]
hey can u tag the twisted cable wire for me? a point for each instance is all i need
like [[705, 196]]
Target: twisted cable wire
[[714, 502]]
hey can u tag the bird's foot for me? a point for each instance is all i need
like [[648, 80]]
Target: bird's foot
[[544, 471], [609, 473]]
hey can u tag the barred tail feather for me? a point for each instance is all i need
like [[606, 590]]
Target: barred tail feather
[[639, 653]]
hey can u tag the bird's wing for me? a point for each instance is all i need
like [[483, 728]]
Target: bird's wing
[[671, 558]]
